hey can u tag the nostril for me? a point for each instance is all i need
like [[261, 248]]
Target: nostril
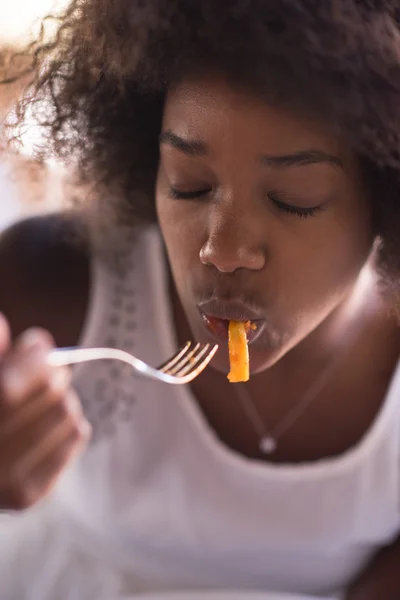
[[230, 257], [218, 256]]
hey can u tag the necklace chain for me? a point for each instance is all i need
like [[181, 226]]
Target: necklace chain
[[268, 437]]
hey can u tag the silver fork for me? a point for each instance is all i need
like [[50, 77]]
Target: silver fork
[[184, 366]]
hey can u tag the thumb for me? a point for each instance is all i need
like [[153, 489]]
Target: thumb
[[5, 334]]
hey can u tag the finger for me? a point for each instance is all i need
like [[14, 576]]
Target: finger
[[46, 472], [34, 336], [24, 492], [5, 334], [16, 419], [26, 370], [59, 423]]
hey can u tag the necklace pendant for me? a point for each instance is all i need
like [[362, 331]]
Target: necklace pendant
[[267, 444]]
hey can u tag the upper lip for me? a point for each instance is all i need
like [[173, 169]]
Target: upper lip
[[229, 310]]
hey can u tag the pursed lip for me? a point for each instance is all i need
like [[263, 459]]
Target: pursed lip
[[216, 315]]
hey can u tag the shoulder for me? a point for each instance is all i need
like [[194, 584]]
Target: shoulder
[[44, 274]]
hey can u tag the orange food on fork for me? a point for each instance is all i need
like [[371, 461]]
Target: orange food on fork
[[238, 350]]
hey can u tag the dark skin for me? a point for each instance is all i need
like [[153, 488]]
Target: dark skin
[[302, 271], [236, 239], [238, 242]]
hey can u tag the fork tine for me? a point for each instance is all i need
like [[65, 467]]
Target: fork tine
[[197, 370], [184, 360], [174, 359], [193, 361]]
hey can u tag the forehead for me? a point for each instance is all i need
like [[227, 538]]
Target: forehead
[[210, 108]]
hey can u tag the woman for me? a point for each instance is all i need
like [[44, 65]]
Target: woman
[[258, 142]]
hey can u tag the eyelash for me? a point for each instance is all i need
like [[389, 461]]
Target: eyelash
[[303, 213], [177, 195]]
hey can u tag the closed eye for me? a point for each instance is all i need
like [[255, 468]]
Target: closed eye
[[188, 195], [299, 211]]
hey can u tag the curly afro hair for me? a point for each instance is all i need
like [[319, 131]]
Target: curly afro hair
[[98, 87]]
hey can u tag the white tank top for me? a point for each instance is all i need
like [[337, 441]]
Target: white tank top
[[158, 503]]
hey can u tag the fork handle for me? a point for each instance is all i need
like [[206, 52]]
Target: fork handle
[[73, 355]]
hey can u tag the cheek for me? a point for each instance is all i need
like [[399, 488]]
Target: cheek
[[314, 274], [345, 245]]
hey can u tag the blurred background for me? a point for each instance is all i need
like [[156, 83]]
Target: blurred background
[[25, 187]]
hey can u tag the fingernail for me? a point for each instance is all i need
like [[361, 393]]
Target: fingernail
[[34, 339], [60, 379]]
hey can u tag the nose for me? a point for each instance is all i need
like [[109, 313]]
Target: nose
[[232, 245]]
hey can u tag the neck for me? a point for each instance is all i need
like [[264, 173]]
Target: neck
[[362, 328]]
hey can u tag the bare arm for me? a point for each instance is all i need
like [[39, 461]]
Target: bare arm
[[381, 580]]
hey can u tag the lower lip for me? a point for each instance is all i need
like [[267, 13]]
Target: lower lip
[[219, 328]]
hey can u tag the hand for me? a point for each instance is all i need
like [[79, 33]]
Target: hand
[[42, 426]]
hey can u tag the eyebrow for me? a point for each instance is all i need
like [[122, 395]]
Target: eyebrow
[[300, 159], [188, 146], [195, 147]]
